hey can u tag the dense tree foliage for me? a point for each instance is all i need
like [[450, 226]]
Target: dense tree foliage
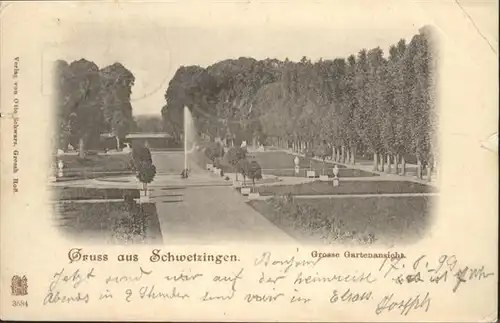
[[234, 155], [148, 123], [91, 101], [367, 105], [254, 171], [214, 151], [142, 163], [139, 154]]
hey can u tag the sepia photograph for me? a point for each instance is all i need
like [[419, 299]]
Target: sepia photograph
[[331, 144]]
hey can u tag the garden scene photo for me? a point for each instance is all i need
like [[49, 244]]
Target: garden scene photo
[[334, 149]]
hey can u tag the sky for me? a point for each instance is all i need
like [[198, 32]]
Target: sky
[[153, 40]]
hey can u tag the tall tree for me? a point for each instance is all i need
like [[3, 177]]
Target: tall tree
[[430, 54], [400, 94], [62, 79], [148, 123], [366, 97], [420, 103], [84, 118], [350, 104], [90, 101], [115, 91]]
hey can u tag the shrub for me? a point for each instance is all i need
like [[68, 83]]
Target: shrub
[[143, 164], [214, 150], [254, 171], [146, 174], [217, 164], [243, 168], [234, 156], [139, 154]]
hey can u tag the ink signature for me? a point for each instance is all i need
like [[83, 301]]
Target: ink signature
[[427, 270]]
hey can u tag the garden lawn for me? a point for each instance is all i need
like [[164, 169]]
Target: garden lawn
[[109, 222], [278, 159], [343, 172], [351, 219], [347, 187], [276, 163]]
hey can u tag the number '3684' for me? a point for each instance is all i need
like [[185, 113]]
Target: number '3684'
[[21, 303]]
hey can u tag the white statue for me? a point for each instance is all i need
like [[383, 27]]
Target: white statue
[[296, 161], [335, 175], [60, 166], [336, 170], [243, 144]]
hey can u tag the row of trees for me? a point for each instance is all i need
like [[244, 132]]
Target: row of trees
[[148, 123], [90, 101], [368, 104], [221, 97], [237, 158]]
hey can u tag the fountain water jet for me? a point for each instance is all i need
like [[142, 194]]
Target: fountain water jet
[[189, 138]]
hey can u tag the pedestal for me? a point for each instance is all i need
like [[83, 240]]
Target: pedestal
[[335, 182], [311, 174], [253, 195], [144, 199], [245, 191]]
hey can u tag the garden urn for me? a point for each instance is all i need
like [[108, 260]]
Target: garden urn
[[60, 166]]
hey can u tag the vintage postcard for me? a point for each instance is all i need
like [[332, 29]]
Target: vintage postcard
[[285, 161]]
